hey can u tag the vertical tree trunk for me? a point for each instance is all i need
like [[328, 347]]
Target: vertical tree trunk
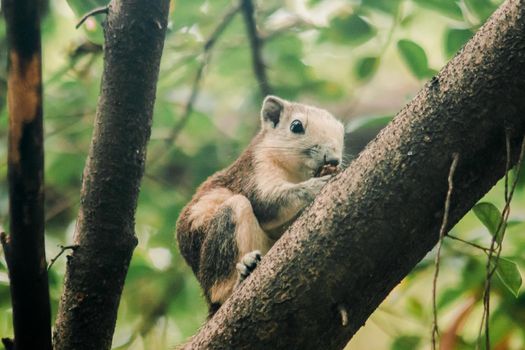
[[134, 37], [24, 249]]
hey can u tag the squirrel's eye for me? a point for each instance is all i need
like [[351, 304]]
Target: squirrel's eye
[[297, 127]]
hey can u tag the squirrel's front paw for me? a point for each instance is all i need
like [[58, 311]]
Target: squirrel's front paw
[[314, 185], [248, 263]]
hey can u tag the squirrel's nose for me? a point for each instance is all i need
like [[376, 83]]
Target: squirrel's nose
[[331, 161]]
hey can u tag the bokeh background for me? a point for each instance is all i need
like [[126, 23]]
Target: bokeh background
[[361, 60]]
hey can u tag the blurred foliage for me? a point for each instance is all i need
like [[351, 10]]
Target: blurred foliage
[[363, 60]]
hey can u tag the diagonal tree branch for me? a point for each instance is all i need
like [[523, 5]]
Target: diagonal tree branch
[[105, 238], [372, 224], [25, 249], [256, 44]]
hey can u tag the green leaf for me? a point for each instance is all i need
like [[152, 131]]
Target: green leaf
[[405, 342], [449, 8], [93, 26], [348, 30], [366, 67], [415, 58], [509, 274], [455, 39], [490, 217], [481, 8]]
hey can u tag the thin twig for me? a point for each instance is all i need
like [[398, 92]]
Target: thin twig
[[188, 107], [395, 22], [63, 248], [492, 261], [208, 45], [256, 44], [507, 167], [94, 12], [474, 245], [442, 231], [217, 32]]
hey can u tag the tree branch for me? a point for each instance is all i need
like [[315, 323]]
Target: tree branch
[[372, 224], [208, 46], [256, 46], [195, 88], [63, 249], [26, 250], [96, 11], [134, 39], [442, 229]]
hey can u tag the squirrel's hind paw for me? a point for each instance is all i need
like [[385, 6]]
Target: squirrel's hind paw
[[248, 263]]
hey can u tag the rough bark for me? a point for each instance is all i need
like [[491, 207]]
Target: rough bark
[[372, 224], [24, 248], [96, 270]]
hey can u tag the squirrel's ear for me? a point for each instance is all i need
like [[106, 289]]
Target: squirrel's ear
[[272, 109]]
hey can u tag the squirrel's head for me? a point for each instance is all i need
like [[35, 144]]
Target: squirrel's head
[[299, 138]]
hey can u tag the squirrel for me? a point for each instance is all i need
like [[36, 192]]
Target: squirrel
[[238, 213]]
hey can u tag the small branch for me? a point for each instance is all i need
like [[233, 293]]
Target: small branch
[[94, 12], [63, 248], [492, 261], [208, 45], [442, 232], [223, 24], [256, 44], [474, 245], [188, 107], [395, 22]]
